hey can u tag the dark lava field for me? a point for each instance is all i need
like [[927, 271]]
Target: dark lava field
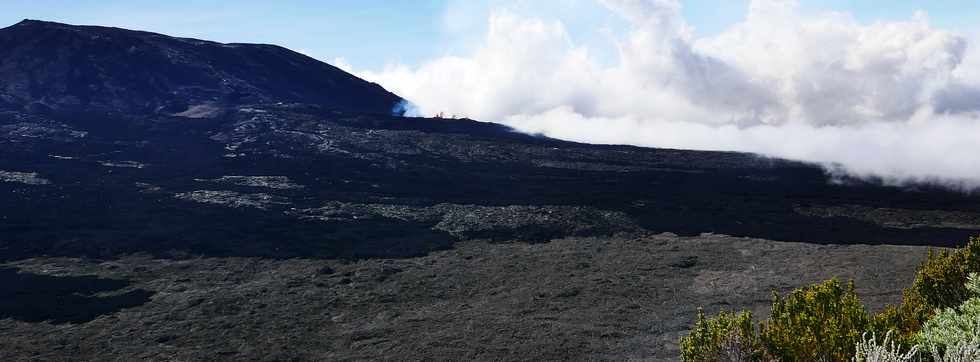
[[177, 199]]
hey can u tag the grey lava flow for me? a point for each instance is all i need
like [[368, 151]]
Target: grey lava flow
[[132, 146]]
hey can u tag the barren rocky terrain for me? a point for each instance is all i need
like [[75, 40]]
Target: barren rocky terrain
[[625, 297]]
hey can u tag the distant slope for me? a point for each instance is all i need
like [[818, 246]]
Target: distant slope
[[98, 158], [47, 66]]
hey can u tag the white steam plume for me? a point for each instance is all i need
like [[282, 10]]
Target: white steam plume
[[895, 100]]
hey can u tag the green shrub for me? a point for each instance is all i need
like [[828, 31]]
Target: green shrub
[[954, 326], [904, 320], [940, 283], [727, 336], [820, 323]]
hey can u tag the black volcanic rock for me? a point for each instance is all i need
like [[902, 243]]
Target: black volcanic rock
[[37, 298], [47, 66]]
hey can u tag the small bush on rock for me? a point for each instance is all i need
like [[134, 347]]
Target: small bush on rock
[[726, 337]]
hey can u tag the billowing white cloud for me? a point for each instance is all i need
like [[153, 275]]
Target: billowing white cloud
[[896, 100]]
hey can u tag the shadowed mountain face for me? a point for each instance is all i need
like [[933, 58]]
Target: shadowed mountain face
[[51, 66], [184, 147]]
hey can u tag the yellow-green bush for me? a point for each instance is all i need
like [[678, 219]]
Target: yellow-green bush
[[941, 281], [820, 323], [721, 337]]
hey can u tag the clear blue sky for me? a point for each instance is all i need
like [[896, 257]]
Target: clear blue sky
[[371, 33]]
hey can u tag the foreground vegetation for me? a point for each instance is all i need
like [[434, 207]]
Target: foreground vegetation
[[938, 320]]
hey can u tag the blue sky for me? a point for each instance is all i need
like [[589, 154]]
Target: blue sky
[[371, 33]]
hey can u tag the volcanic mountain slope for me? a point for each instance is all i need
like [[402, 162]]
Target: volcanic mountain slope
[[186, 165], [267, 176], [288, 180], [51, 66]]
